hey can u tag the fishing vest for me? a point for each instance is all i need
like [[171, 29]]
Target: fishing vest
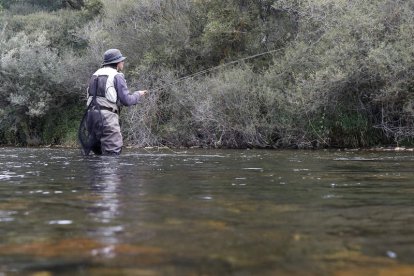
[[101, 84]]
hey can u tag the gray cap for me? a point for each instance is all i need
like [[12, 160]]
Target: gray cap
[[112, 56]]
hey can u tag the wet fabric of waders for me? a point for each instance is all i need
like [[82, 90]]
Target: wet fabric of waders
[[111, 139], [100, 132]]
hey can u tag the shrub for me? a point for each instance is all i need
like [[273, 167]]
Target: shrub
[[342, 75], [348, 61], [35, 84]]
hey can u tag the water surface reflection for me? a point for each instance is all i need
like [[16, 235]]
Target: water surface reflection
[[105, 184]]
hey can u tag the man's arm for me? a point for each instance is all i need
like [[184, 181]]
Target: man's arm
[[124, 96]]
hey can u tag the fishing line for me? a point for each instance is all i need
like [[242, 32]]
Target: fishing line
[[203, 72], [230, 63]]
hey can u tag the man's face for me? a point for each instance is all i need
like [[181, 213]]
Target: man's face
[[120, 66]]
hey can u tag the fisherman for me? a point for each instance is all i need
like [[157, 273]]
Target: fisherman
[[107, 92]]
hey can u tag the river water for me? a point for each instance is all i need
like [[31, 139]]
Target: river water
[[206, 212]]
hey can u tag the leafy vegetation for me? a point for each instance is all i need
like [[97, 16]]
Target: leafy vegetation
[[332, 73]]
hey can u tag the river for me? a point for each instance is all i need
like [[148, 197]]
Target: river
[[206, 212]]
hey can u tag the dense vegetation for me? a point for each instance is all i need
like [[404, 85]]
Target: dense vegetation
[[332, 73]]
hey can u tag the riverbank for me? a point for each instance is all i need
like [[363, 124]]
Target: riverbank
[[161, 148]]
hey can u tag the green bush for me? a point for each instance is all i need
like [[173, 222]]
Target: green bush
[[336, 73], [41, 75], [349, 62]]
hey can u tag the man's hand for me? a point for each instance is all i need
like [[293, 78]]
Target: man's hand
[[143, 92]]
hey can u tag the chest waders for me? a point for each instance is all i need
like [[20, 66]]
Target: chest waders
[[91, 126]]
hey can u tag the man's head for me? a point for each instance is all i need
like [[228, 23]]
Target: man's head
[[115, 58]]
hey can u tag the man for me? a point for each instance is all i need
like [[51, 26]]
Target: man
[[107, 92]]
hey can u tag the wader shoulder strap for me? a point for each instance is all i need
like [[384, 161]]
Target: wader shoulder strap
[[97, 86]]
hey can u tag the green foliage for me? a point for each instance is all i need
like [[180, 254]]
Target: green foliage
[[93, 8], [30, 80], [27, 7], [40, 74], [62, 129], [342, 76], [62, 28], [350, 59]]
